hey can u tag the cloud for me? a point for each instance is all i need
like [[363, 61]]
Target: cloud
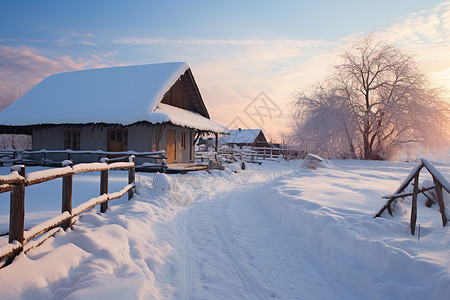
[[70, 42], [244, 42], [25, 67], [66, 38], [20, 41], [425, 35]]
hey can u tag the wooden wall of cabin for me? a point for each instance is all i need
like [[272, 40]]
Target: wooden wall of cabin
[[160, 142], [178, 97], [141, 138]]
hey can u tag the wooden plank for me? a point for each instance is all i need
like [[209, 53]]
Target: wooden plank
[[6, 188], [437, 175], [104, 189], [440, 198], [12, 178], [67, 199], [412, 223], [39, 229], [47, 175], [17, 211], [407, 194], [402, 187], [10, 250], [131, 177]]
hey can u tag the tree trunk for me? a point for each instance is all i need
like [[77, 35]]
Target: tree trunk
[[367, 149]]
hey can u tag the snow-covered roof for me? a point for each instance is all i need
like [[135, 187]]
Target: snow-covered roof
[[240, 136], [117, 95], [182, 117]]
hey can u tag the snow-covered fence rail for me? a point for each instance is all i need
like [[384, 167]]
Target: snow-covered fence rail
[[255, 154], [17, 181], [43, 157], [440, 182], [206, 156]]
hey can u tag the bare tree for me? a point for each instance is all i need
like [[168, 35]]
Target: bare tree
[[376, 103]]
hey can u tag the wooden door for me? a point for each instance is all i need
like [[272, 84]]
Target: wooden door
[[117, 140], [171, 145]]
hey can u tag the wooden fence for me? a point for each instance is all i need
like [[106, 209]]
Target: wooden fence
[[251, 154], [55, 157], [17, 181], [440, 182]]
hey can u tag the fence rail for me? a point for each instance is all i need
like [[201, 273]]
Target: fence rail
[[43, 157], [17, 181]]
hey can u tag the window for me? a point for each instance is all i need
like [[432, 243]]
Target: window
[[72, 139], [118, 140], [183, 140]]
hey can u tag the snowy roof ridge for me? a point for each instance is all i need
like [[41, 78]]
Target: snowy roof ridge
[[95, 96], [241, 136]]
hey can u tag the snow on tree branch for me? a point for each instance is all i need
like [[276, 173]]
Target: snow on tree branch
[[375, 103]]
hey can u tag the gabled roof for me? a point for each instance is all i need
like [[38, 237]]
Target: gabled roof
[[117, 95], [241, 136]]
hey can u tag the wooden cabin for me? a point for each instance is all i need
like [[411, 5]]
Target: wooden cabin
[[245, 137], [141, 108]]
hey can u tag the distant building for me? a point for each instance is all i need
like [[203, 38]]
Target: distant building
[[244, 137], [141, 108]]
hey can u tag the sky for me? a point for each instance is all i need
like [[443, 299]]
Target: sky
[[248, 57]]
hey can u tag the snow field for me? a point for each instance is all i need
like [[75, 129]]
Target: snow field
[[373, 258], [274, 231]]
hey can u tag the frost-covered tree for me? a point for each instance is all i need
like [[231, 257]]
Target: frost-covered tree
[[8, 95], [324, 123], [375, 103]]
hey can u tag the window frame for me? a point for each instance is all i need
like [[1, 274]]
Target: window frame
[[183, 140], [72, 139]]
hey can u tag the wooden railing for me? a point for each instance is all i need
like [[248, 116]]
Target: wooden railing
[[29, 157], [439, 181], [17, 181]]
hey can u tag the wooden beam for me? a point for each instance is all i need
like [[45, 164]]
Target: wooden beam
[[412, 223], [131, 177], [402, 187], [407, 194], [17, 211], [217, 141], [67, 199], [104, 187], [440, 199]]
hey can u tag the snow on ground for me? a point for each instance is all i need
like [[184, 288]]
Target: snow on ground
[[273, 231]]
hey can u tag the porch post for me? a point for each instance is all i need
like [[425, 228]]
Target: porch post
[[217, 141]]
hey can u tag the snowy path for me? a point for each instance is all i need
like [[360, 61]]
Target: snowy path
[[234, 251], [272, 232]]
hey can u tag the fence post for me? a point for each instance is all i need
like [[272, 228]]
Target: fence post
[[131, 176], [67, 197], [17, 208], [414, 204], [104, 186], [440, 198]]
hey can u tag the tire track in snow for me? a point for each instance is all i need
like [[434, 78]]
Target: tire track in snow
[[238, 253], [241, 267], [188, 270]]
